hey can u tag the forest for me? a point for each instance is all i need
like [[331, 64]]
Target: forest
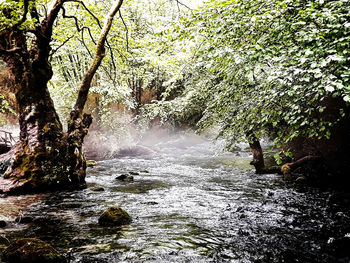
[[221, 127]]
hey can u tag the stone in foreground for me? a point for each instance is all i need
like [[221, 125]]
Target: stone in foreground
[[114, 216], [31, 250]]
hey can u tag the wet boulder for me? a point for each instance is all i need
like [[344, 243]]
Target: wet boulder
[[114, 216], [97, 189], [125, 178], [91, 163], [31, 250]]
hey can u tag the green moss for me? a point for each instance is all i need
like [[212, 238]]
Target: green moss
[[31, 250], [91, 163], [114, 216]]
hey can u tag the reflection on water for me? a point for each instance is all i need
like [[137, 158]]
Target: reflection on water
[[188, 202]]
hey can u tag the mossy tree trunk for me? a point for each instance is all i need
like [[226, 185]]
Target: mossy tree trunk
[[258, 156], [46, 156]]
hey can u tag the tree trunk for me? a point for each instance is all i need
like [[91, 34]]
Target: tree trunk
[[258, 156], [135, 84], [46, 157]]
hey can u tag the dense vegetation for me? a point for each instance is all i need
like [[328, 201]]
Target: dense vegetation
[[277, 69]]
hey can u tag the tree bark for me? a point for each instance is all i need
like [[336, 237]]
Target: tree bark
[[258, 156]]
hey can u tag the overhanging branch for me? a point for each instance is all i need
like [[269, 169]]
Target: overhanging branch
[[10, 51]]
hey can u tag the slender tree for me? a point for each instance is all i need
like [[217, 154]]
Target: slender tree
[[46, 157]]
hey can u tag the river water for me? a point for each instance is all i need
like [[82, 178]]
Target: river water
[[189, 203]]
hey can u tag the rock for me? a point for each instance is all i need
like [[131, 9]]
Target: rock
[[114, 216], [2, 223], [31, 250], [133, 173], [144, 171], [97, 189], [125, 178], [91, 163]]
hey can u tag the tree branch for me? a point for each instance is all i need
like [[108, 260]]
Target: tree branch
[[24, 16], [88, 10], [47, 23], [9, 51], [100, 53], [287, 168], [76, 22], [64, 42], [178, 2], [126, 31], [35, 15]]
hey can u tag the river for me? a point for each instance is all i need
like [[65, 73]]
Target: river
[[189, 202]]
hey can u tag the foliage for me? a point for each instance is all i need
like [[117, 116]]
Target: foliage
[[132, 53], [265, 66]]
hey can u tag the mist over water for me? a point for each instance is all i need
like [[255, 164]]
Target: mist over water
[[190, 202]]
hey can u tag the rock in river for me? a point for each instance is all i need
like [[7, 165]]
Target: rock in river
[[125, 178], [91, 163], [114, 216], [97, 189], [31, 250]]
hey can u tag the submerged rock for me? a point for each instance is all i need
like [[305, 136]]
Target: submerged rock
[[31, 250], [97, 189], [125, 178], [114, 216]]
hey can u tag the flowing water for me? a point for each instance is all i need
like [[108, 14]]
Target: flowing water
[[189, 203]]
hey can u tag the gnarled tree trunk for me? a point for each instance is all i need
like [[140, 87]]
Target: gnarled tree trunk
[[46, 157]]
